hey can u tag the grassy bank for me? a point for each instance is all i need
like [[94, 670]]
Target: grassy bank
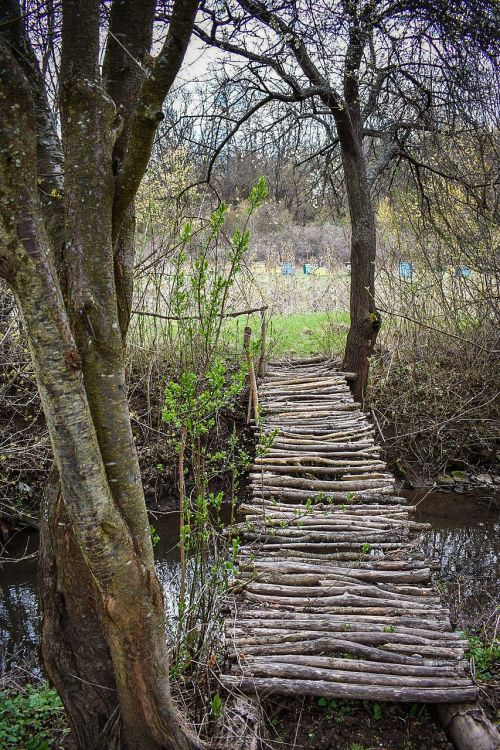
[[296, 333]]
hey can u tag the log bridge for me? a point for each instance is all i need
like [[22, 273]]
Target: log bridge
[[332, 596]]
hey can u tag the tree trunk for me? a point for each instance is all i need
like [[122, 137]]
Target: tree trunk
[[365, 319], [75, 654], [112, 612]]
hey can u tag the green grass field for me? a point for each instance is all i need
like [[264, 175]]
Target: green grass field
[[296, 333]]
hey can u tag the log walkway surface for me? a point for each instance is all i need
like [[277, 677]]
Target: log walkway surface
[[332, 596]]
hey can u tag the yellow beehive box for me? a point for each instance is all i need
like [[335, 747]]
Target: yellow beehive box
[[258, 267], [321, 271]]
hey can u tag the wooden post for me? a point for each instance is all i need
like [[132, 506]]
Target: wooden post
[[182, 497], [253, 396], [263, 330]]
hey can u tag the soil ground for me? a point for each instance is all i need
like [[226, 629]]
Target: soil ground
[[352, 726], [342, 725]]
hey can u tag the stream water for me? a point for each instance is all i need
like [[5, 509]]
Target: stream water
[[464, 539]]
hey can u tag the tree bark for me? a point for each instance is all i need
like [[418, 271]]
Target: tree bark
[[75, 655], [103, 627], [365, 319]]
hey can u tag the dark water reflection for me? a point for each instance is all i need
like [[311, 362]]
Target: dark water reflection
[[465, 540], [19, 619], [19, 612]]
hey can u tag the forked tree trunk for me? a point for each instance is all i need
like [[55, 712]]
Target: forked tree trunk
[[104, 631], [365, 319]]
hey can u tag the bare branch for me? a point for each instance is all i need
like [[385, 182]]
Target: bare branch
[[148, 113]]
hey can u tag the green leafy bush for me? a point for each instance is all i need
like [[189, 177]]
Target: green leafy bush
[[32, 719], [485, 656]]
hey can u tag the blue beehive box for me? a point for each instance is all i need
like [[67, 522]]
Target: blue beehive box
[[463, 272], [287, 269], [405, 269], [308, 269]]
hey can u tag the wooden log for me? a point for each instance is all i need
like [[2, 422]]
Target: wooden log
[[306, 672], [281, 543], [307, 421], [333, 521], [325, 405], [278, 570], [361, 496], [306, 382], [373, 508], [320, 396], [350, 557], [305, 390], [424, 650], [269, 529], [325, 387], [295, 617], [331, 515], [338, 588], [319, 485], [347, 602], [374, 567], [324, 446], [329, 521], [310, 380], [292, 410], [343, 625], [419, 644], [338, 533], [340, 552], [341, 407], [309, 444], [439, 651], [273, 685], [312, 456], [468, 727], [310, 584], [324, 438], [331, 645], [265, 510], [332, 533], [397, 589], [321, 413], [310, 459], [359, 665], [362, 468], [358, 511], [301, 526]]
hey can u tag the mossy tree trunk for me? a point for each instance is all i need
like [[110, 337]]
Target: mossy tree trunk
[[365, 319], [349, 117], [69, 261]]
